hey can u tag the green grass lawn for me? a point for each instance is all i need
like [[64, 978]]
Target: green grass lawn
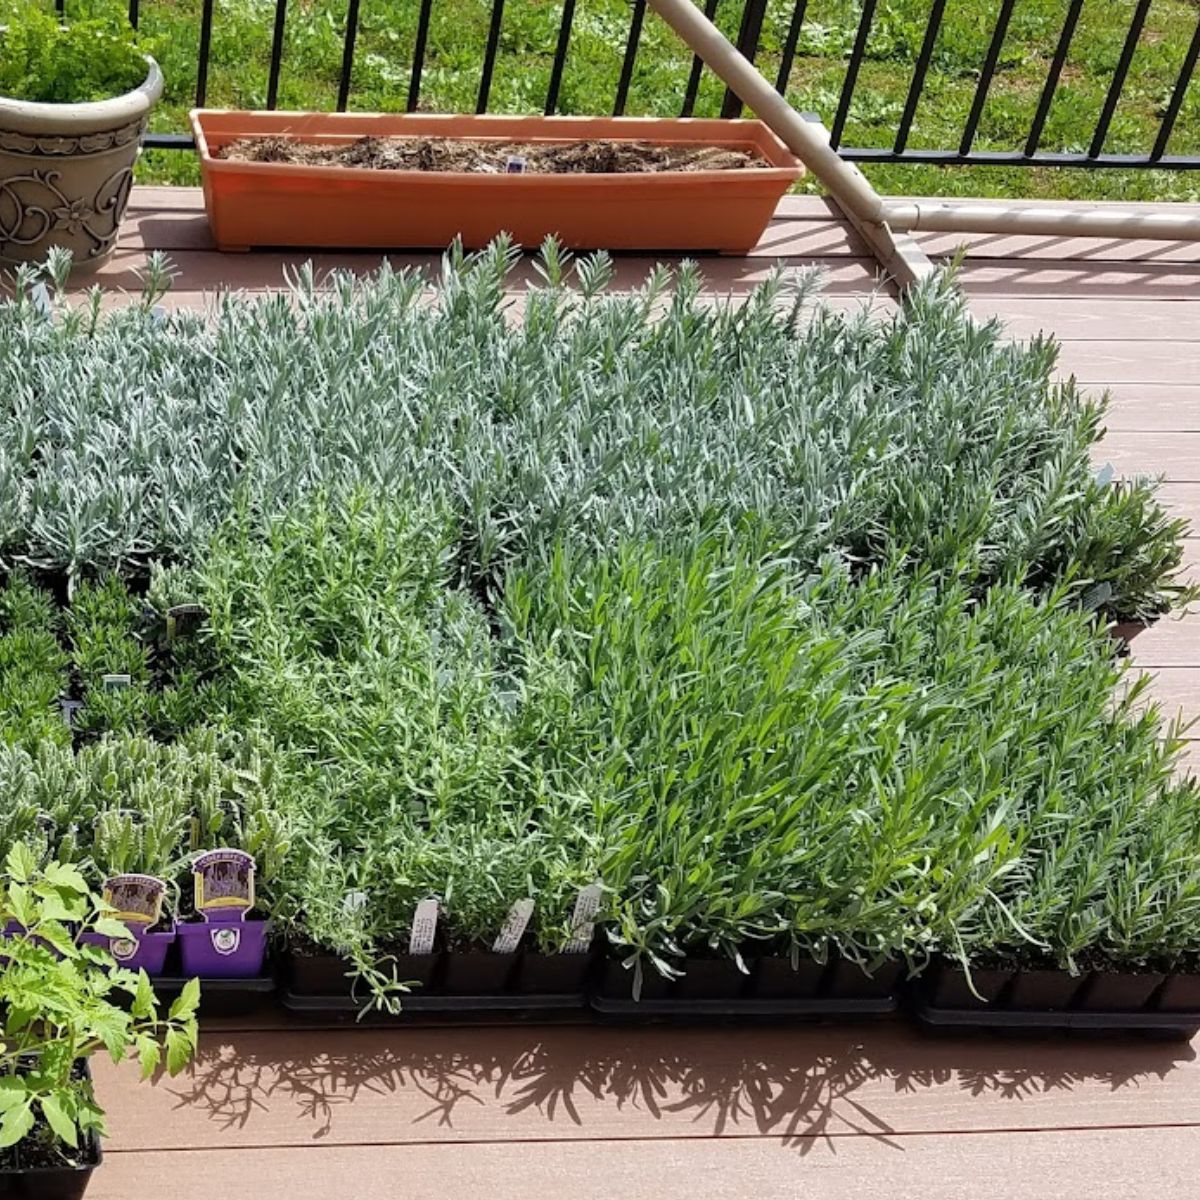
[[313, 47]]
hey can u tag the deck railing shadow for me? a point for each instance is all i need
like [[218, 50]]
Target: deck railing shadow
[[805, 1086]]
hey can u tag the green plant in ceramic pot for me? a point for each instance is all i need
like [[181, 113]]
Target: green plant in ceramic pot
[[74, 101]]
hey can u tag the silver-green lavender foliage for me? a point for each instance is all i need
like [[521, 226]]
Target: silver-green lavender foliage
[[572, 411]]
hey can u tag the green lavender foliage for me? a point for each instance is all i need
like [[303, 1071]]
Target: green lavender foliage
[[595, 416], [32, 667], [874, 763]]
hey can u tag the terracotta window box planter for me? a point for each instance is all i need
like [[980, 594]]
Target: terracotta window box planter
[[314, 206]]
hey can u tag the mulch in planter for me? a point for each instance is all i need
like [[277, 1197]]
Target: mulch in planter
[[492, 157]]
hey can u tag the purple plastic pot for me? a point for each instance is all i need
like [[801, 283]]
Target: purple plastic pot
[[225, 950], [144, 951]]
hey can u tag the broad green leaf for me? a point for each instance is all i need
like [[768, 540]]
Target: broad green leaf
[[187, 1002], [58, 1120], [149, 1054], [12, 1092], [17, 1122], [179, 1051], [143, 998], [110, 927], [20, 863]]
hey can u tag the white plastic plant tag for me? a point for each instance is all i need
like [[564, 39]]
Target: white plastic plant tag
[[583, 919], [514, 927], [69, 709], [1105, 475], [158, 314], [354, 901], [116, 683], [514, 164], [40, 296], [424, 927]]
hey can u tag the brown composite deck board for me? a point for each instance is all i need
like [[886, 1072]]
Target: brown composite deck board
[[1134, 1164], [360, 1086], [277, 1111]]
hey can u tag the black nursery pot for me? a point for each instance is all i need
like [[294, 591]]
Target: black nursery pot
[[319, 974], [848, 981], [1119, 991], [711, 979], [618, 982], [776, 979], [553, 974], [1042, 990], [952, 989], [52, 1183], [1180, 993], [477, 972]]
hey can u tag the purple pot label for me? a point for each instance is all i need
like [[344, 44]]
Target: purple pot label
[[226, 939], [136, 899], [224, 883]]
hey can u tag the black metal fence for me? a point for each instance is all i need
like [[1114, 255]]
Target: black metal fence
[[749, 37]]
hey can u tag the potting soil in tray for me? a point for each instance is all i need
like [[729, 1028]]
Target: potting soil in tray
[[493, 157]]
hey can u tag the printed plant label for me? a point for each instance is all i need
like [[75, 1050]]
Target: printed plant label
[[224, 879], [583, 919], [514, 927], [514, 164], [116, 683], [424, 928], [138, 899]]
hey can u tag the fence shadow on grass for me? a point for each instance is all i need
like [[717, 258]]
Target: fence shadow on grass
[[806, 1086]]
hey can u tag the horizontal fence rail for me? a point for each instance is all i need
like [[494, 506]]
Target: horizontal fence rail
[[746, 21]]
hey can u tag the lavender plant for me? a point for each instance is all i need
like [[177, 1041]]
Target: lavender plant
[[134, 435]]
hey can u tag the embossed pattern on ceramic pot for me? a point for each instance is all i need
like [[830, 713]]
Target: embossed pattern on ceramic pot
[[66, 171]]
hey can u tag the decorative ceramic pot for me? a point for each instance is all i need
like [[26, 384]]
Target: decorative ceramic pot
[[66, 171]]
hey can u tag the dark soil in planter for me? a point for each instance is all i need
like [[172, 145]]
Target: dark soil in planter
[[848, 981], [774, 978], [1180, 993], [951, 988], [711, 979], [477, 971], [618, 982], [553, 974], [1044, 989], [492, 157]]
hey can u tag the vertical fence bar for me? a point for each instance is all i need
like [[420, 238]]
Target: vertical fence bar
[[985, 77], [60, 7], [627, 63], [749, 33], [1176, 102], [1052, 78], [489, 56], [560, 57], [134, 13], [348, 55], [414, 82], [693, 84], [206, 20], [276, 53], [789, 47], [919, 72], [1118, 80], [856, 57]]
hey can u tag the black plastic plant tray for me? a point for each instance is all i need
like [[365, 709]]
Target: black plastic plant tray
[[677, 1008], [220, 997], [436, 1008], [1181, 1025]]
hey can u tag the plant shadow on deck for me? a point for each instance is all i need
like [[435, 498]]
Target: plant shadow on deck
[[807, 1087]]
